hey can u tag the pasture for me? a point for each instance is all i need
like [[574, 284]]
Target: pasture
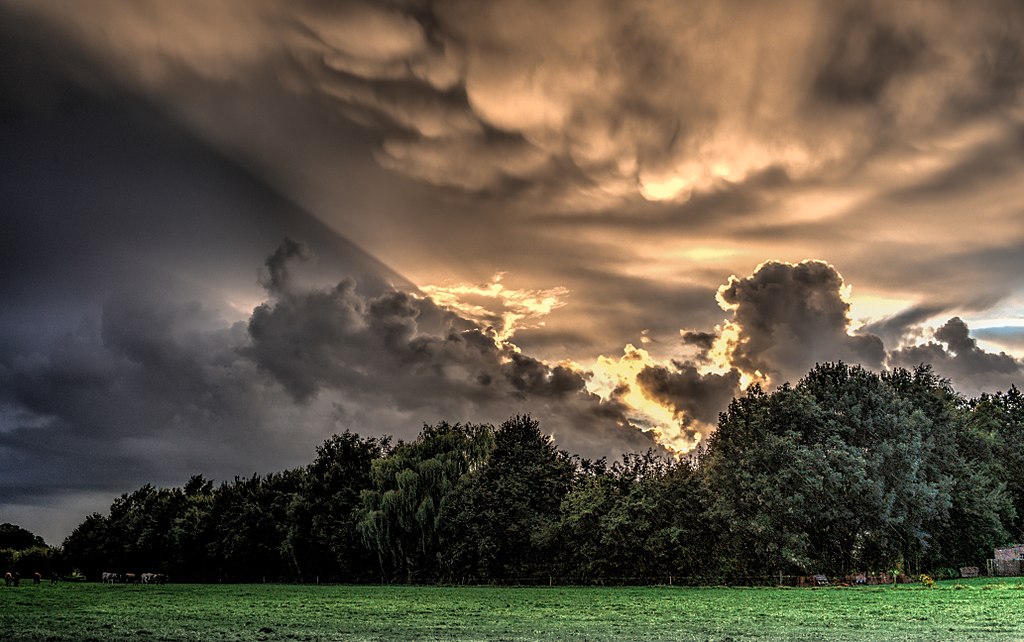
[[968, 610]]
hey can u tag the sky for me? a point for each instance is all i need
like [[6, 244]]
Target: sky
[[231, 229]]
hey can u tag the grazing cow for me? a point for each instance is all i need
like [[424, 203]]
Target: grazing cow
[[110, 578], [37, 578], [8, 579], [131, 578], [154, 578]]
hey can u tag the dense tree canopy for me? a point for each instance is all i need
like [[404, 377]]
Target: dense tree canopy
[[846, 470]]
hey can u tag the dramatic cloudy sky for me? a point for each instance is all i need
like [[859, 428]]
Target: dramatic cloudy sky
[[231, 228]]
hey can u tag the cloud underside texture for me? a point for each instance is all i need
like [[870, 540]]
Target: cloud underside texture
[[585, 104]]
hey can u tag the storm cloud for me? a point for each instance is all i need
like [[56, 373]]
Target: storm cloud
[[691, 394], [788, 317], [154, 388], [956, 355], [401, 350]]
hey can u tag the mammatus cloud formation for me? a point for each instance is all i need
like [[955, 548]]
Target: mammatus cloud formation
[[587, 103]]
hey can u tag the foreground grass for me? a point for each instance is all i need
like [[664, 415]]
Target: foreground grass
[[975, 610]]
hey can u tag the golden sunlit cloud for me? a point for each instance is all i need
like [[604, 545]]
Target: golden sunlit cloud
[[719, 358], [616, 379], [500, 310], [665, 189]]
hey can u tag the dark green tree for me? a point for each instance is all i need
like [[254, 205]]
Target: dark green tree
[[323, 518], [960, 459], [399, 516], [17, 538], [85, 549], [503, 522], [827, 476]]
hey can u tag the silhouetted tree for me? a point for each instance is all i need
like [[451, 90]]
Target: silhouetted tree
[[400, 513]]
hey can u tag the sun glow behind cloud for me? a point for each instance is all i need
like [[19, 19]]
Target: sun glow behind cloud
[[617, 379], [500, 310]]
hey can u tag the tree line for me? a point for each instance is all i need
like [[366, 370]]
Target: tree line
[[847, 470]]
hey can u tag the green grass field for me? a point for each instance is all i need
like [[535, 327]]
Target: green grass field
[[974, 610]]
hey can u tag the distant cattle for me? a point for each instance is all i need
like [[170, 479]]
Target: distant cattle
[[131, 578], [37, 578], [154, 578], [8, 579], [110, 578]]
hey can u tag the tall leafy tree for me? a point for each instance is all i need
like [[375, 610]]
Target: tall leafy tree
[[823, 476], [322, 519], [410, 487], [17, 538], [640, 519], [503, 522], [1000, 417], [85, 549], [191, 532], [250, 523], [960, 459]]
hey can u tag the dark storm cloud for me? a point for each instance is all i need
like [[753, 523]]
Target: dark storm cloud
[[157, 388], [788, 317], [375, 351], [955, 354], [154, 389], [689, 393], [701, 340], [866, 56]]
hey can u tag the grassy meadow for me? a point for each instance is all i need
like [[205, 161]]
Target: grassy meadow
[[966, 610]]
